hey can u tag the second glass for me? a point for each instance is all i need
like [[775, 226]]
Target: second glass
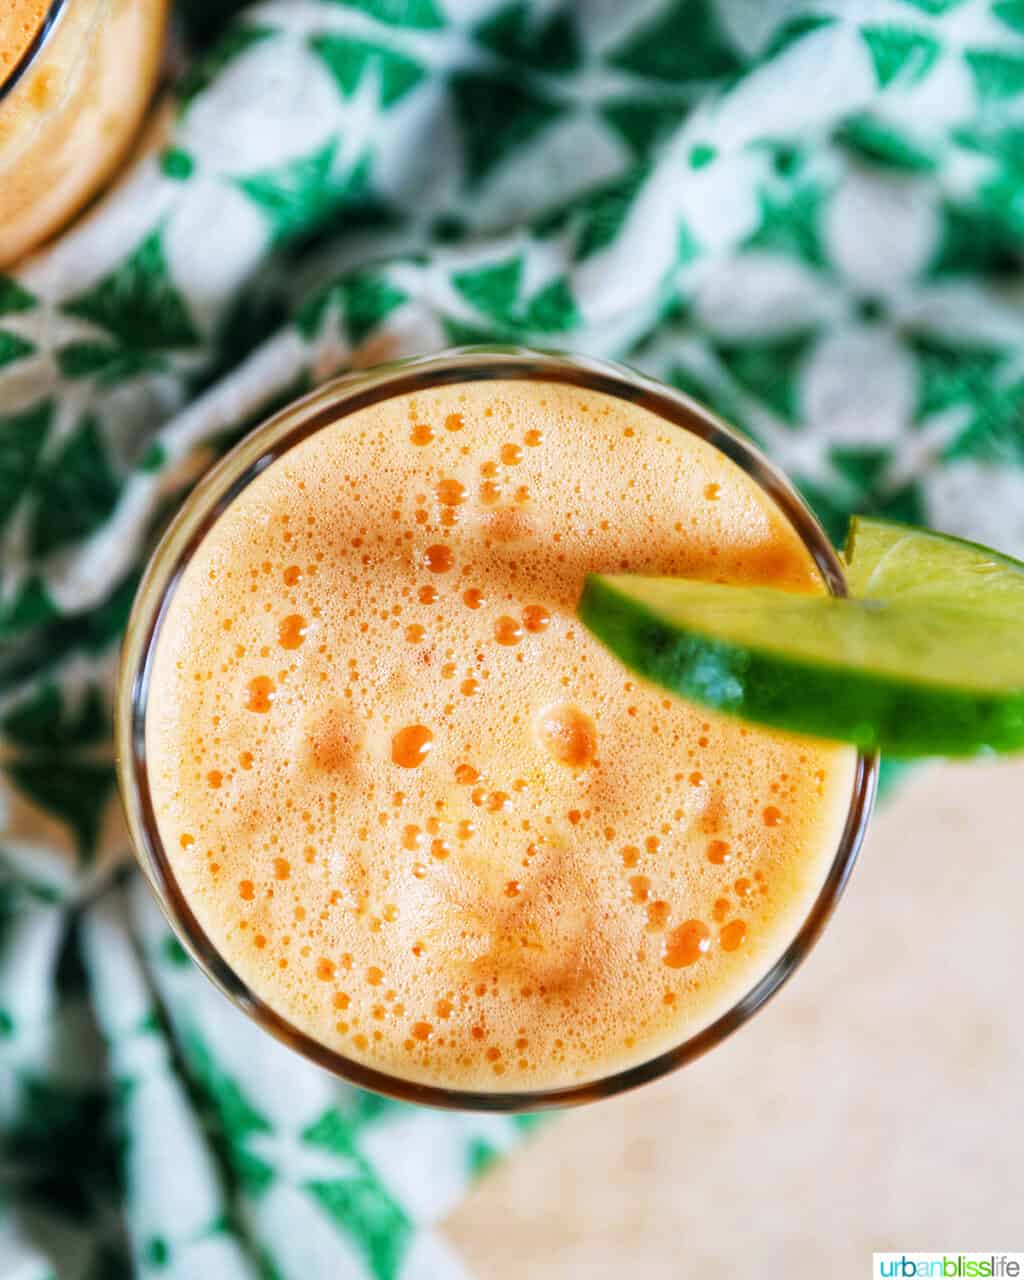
[[80, 75]]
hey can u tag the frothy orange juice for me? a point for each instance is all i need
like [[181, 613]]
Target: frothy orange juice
[[20, 23], [69, 117], [415, 806]]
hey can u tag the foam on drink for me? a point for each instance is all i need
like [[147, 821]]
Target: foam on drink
[[416, 806], [20, 22]]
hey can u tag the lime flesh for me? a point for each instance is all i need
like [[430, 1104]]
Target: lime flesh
[[926, 656]]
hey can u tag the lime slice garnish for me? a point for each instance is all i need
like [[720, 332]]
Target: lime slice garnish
[[926, 657]]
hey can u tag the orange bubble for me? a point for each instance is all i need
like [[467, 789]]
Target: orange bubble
[[245, 759], [511, 454], [440, 849], [450, 493], [340, 1000], [742, 887], [215, 778], [473, 598], [438, 558], [422, 1030], [711, 491], [534, 437], [453, 422], [720, 910], [685, 944], [292, 575], [411, 746], [772, 816], [292, 631], [412, 838], [732, 935], [325, 969], [466, 775], [246, 890], [536, 618], [469, 687], [640, 887], [719, 852], [567, 734], [186, 841], [260, 694], [414, 633], [374, 976], [427, 594], [421, 434], [443, 1008], [630, 855], [513, 889], [507, 630]]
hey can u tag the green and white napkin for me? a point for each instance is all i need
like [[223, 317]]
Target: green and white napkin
[[811, 216]]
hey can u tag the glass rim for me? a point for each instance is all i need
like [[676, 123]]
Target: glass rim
[[34, 48], [229, 477]]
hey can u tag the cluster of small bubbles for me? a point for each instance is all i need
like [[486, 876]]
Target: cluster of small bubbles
[[686, 944]]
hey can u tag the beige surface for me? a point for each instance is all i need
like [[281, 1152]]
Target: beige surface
[[875, 1104]]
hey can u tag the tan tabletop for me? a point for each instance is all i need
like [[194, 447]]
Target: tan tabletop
[[876, 1103]]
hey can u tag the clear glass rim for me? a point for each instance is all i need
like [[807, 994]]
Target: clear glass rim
[[34, 48], [223, 483]]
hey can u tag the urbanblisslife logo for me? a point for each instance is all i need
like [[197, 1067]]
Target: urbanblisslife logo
[[955, 1266]]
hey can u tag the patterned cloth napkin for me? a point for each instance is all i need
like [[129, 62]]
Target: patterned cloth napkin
[[809, 215]]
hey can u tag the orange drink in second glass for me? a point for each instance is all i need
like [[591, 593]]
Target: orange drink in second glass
[[75, 79]]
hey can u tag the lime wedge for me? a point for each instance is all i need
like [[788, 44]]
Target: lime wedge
[[926, 657]]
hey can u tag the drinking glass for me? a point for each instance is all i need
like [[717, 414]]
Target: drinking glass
[[70, 107], [222, 485]]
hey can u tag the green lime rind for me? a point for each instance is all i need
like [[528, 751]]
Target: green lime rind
[[911, 671], [888, 561]]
